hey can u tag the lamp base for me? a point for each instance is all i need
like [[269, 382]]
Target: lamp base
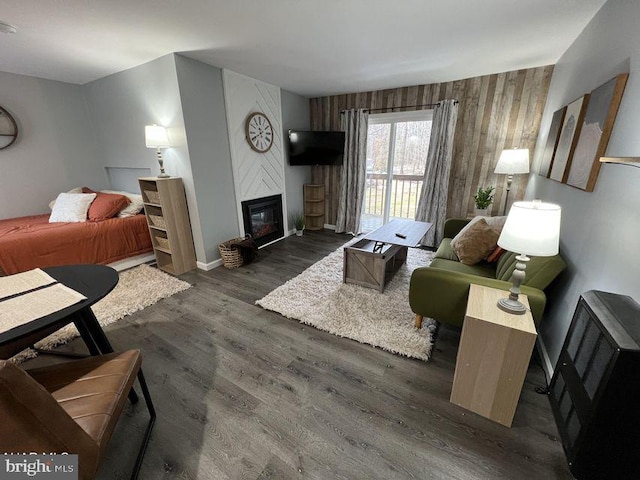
[[164, 175], [511, 306]]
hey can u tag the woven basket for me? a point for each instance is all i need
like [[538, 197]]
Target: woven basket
[[163, 242], [158, 221], [231, 257], [153, 196]]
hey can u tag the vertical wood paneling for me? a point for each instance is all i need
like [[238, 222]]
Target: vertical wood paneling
[[496, 112]]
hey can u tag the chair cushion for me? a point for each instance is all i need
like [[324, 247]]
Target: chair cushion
[[93, 390]]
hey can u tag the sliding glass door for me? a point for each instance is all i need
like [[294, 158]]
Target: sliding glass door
[[397, 146]]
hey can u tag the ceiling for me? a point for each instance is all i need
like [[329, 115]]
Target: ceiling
[[310, 47]]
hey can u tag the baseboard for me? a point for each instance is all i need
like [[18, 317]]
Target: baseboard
[[131, 262], [209, 266], [330, 227], [544, 355]]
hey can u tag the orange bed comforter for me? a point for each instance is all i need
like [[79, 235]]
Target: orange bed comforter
[[31, 242]]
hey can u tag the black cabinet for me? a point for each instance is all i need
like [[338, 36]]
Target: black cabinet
[[595, 389]]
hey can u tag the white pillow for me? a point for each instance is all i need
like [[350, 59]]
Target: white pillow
[[134, 208], [71, 207], [73, 190]]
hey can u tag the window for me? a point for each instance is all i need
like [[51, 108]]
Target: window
[[397, 146]]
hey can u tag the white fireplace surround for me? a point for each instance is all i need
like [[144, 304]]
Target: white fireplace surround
[[255, 175]]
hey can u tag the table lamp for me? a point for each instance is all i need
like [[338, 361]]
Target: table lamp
[[156, 137], [512, 162], [532, 228]]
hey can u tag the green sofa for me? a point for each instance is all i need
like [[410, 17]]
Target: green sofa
[[440, 290]]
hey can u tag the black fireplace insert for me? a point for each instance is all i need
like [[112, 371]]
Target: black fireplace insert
[[263, 218]]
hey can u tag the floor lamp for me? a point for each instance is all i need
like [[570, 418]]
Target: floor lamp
[[512, 162]]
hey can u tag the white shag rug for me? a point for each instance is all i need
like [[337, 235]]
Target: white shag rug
[[138, 287], [317, 297]]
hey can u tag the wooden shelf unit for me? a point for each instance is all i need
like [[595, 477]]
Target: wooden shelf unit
[[313, 206], [168, 220]]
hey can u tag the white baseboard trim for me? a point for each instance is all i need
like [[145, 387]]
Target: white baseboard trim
[[209, 266], [330, 227], [131, 262], [547, 365]]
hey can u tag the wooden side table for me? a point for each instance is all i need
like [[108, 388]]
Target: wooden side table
[[493, 357]]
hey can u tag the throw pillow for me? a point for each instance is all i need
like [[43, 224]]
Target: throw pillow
[[497, 223], [73, 190], [475, 243], [106, 205], [134, 208], [495, 255], [71, 207]]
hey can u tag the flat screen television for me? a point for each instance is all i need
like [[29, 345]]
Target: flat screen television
[[315, 148]]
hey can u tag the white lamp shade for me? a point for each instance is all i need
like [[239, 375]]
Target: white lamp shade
[[513, 161], [156, 136], [532, 228]]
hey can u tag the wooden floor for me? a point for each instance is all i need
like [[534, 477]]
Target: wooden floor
[[246, 393]]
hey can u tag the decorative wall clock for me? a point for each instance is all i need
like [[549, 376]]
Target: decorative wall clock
[[8, 129], [259, 132]]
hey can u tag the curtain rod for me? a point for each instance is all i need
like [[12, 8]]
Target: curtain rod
[[430, 105]]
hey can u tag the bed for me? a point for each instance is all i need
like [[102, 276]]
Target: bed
[[31, 242]]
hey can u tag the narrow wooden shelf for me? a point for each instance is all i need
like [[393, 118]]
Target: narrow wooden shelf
[[169, 203], [313, 206]]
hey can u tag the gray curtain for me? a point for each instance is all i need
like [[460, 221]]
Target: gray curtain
[[432, 206], [354, 170]]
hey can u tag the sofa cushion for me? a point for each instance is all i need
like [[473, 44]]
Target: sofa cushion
[[481, 269], [540, 271], [475, 242], [445, 251]]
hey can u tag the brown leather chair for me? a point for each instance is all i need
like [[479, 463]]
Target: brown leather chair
[[71, 407]]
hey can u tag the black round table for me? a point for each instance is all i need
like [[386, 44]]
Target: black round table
[[94, 282]]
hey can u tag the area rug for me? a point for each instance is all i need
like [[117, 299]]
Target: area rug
[[317, 297], [138, 287]]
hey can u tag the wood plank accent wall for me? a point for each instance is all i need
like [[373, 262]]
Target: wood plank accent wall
[[497, 111]]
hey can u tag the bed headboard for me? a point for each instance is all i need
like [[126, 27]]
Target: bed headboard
[[126, 178]]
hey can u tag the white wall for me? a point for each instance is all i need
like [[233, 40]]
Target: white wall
[[121, 104], [202, 98], [600, 230], [255, 174], [295, 116], [55, 150]]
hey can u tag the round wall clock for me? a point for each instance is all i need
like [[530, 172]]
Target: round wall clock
[[8, 129], [259, 132]]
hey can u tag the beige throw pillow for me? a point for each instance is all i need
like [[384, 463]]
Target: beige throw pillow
[[475, 242], [497, 223]]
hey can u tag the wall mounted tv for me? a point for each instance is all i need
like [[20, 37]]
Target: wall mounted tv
[[315, 148]]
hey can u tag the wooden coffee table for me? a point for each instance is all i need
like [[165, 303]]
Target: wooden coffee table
[[371, 261]]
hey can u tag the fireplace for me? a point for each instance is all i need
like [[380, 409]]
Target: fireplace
[[263, 219]]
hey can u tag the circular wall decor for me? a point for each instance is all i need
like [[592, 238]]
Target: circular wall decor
[[8, 129], [259, 132]]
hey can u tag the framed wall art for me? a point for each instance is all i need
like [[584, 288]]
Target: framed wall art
[[595, 132], [552, 142], [568, 139]]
